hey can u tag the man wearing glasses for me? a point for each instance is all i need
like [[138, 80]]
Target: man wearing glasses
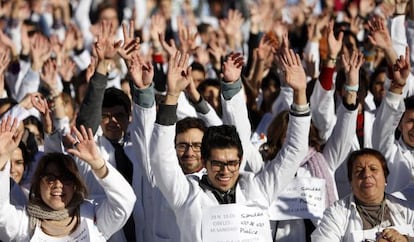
[[194, 199]]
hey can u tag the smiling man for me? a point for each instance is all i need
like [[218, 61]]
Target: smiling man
[[193, 199]]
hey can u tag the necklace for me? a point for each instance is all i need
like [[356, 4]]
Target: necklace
[[374, 218]]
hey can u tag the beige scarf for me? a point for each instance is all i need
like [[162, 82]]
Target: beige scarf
[[54, 223]]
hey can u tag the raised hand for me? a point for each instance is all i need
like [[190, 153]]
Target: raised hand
[[231, 27], [49, 75], [130, 44], [40, 51], [334, 44], [67, 69], [401, 70], [158, 26], [58, 49], [352, 66], [170, 48], [84, 147], [186, 37], [295, 75], [379, 35], [178, 74], [8, 142], [140, 72], [41, 105], [232, 67], [105, 47]]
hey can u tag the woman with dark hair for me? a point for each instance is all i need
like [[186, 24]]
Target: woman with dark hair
[[57, 207], [368, 214], [319, 165], [19, 166]]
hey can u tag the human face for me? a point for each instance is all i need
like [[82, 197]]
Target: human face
[[110, 15], [220, 176], [198, 77], [17, 165], [189, 158], [35, 131], [368, 179], [212, 95], [56, 189], [378, 90], [114, 122], [406, 127]]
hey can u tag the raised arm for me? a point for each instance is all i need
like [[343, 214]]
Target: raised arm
[[167, 172], [339, 143], [387, 119], [279, 172], [113, 212]]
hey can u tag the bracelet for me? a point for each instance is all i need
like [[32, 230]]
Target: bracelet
[[331, 60], [300, 108], [351, 88], [173, 95], [97, 169]]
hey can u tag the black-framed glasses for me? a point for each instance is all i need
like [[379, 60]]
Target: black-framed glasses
[[232, 165], [196, 147], [117, 116], [64, 179]]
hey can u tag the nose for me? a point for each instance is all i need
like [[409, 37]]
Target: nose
[[366, 173], [57, 183]]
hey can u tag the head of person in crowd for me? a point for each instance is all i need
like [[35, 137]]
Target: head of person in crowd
[[205, 32], [125, 86], [222, 153], [69, 106], [376, 85], [189, 134], [210, 91], [19, 162], [5, 105], [406, 126], [367, 173], [116, 113], [56, 186], [276, 135], [35, 126], [270, 90], [109, 12], [198, 73], [165, 8]]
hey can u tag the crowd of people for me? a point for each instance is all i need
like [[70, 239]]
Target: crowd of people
[[206, 120]]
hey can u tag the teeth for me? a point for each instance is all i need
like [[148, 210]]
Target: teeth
[[224, 178], [56, 194]]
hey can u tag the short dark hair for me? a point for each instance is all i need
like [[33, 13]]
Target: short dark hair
[[190, 123], [409, 103], [195, 66], [220, 137], [114, 97], [366, 151], [203, 28]]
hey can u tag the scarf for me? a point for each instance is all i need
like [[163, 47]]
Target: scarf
[[222, 197], [41, 213], [317, 166]]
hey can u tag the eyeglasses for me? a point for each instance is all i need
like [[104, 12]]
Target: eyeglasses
[[64, 179], [196, 147], [232, 165], [118, 116]]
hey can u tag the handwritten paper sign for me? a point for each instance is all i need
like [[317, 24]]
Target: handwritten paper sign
[[235, 223], [302, 198]]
